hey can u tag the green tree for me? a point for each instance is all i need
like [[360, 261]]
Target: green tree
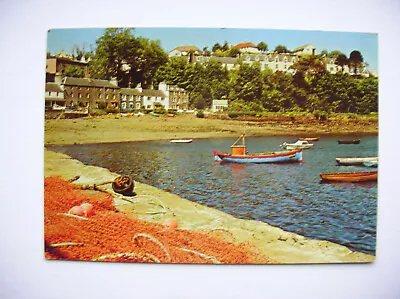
[[246, 84], [225, 46], [367, 100], [355, 60], [216, 47], [337, 92], [341, 60], [173, 72], [131, 60], [143, 67], [217, 79], [262, 46], [281, 49], [309, 65], [74, 71], [324, 52], [234, 52], [277, 93], [206, 52], [334, 54]]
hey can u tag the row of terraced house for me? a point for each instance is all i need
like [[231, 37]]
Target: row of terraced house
[[77, 93], [249, 54]]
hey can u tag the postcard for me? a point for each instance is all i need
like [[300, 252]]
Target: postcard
[[210, 146]]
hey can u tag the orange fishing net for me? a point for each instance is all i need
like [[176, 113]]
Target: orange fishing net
[[109, 235]]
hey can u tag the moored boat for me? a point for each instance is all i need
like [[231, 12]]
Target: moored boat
[[354, 177], [354, 141], [272, 157], [299, 144], [181, 140], [367, 161], [309, 138], [240, 155]]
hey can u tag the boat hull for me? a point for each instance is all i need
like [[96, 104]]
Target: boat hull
[[369, 162], [356, 141], [354, 177], [294, 147], [277, 157], [181, 141]]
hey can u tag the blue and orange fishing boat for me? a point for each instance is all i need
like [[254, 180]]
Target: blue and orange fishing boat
[[240, 155]]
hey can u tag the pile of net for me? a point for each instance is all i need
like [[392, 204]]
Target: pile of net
[[104, 234]]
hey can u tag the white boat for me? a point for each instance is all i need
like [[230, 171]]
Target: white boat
[[181, 140], [299, 144], [368, 161]]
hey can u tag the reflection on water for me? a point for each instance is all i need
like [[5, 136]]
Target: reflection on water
[[286, 195]]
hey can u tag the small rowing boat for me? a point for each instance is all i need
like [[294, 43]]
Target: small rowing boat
[[354, 177], [181, 140], [309, 138], [240, 155], [354, 141], [368, 161], [299, 144]]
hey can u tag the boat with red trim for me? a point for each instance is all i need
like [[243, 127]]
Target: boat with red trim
[[240, 155]]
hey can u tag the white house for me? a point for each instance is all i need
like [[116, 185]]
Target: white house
[[219, 105], [167, 96], [247, 48], [177, 98], [308, 49], [228, 62], [184, 51], [54, 96]]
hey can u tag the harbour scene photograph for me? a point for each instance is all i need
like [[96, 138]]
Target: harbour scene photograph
[[211, 146], [215, 149]]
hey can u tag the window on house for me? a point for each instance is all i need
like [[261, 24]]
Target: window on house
[[88, 96], [79, 95], [106, 97], [100, 95]]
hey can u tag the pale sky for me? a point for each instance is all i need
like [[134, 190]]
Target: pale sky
[[346, 42]]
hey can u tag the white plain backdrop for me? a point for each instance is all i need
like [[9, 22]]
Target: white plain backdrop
[[24, 273]]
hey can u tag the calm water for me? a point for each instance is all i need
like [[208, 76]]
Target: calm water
[[289, 196]]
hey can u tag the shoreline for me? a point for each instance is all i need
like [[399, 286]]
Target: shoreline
[[275, 243], [115, 129], [212, 137]]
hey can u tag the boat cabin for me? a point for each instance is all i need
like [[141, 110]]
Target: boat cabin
[[239, 149]]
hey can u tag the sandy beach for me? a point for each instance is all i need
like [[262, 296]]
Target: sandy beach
[[116, 128], [276, 244]]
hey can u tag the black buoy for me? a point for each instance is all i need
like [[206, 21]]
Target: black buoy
[[123, 185]]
